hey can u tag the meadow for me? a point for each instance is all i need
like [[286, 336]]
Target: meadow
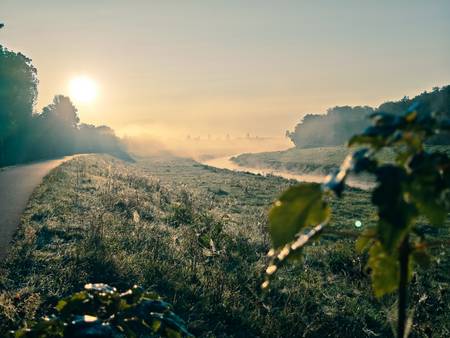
[[197, 236]]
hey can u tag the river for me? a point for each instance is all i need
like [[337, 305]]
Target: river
[[226, 163]]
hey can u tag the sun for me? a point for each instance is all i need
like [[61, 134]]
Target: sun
[[83, 89]]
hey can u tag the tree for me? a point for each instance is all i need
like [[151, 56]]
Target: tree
[[18, 92], [57, 128], [333, 128], [340, 123], [101, 139], [63, 111], [414, 187]]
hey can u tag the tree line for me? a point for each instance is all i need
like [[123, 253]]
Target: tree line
[[56, 131], [340, 123]]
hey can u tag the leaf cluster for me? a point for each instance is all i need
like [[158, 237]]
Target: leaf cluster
[[101, 311], [415, 185]]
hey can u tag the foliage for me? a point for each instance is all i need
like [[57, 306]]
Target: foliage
[[18, 93], [63, 110], [332, 128], [416, 185], [101, 311], [340, 123]]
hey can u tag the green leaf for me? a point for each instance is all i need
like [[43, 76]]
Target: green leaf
[[172, 333], [374, 141], [391, 235], [428, 184], [156, 325], [297, 208], [385, 272], [365, 239], [395, 214], [435, 213], [73, 304], [61, 304], [101, 311]]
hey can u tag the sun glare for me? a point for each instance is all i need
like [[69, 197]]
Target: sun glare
[[83, 89]]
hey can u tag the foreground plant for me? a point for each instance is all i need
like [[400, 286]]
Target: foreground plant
[[101, 311], [415, 184]]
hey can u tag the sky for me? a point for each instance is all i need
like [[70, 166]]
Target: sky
[[229, 67]]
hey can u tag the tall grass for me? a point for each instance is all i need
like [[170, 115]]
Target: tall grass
[[196, 235]]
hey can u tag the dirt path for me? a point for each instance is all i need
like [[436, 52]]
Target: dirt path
[[16, 185]]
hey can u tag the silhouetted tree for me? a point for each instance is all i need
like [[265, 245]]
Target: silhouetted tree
[[56, 128], [18, 92], [63, 111], [102, 139], [339, 123], [335, 127]]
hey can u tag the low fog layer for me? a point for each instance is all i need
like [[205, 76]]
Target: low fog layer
[[203, 148]]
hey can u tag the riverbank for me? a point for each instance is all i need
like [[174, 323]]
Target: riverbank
[[231, 163], [303, 164]]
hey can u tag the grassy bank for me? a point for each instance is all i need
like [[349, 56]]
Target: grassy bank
[[196, 235], [295, 160], [320, 160]]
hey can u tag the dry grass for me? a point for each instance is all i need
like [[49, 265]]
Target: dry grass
[[196, 235]]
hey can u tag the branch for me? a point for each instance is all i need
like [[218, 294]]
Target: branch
[[278, 258]]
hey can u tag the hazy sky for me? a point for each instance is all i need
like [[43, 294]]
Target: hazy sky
[[233, 67]]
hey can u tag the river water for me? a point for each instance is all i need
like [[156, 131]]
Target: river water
[[226, 163]]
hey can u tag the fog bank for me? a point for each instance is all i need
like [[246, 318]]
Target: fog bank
[[203, 148]]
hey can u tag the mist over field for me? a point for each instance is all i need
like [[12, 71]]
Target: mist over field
[[202, 148]]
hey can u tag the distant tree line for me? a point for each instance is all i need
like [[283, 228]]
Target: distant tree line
[[340, 123], [56, 131]]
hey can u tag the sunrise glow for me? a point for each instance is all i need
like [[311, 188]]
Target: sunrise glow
[[83, 89]]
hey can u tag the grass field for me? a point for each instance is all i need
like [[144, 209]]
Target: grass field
[[196, 235]]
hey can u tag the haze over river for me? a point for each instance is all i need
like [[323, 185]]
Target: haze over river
[[227, 163]]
